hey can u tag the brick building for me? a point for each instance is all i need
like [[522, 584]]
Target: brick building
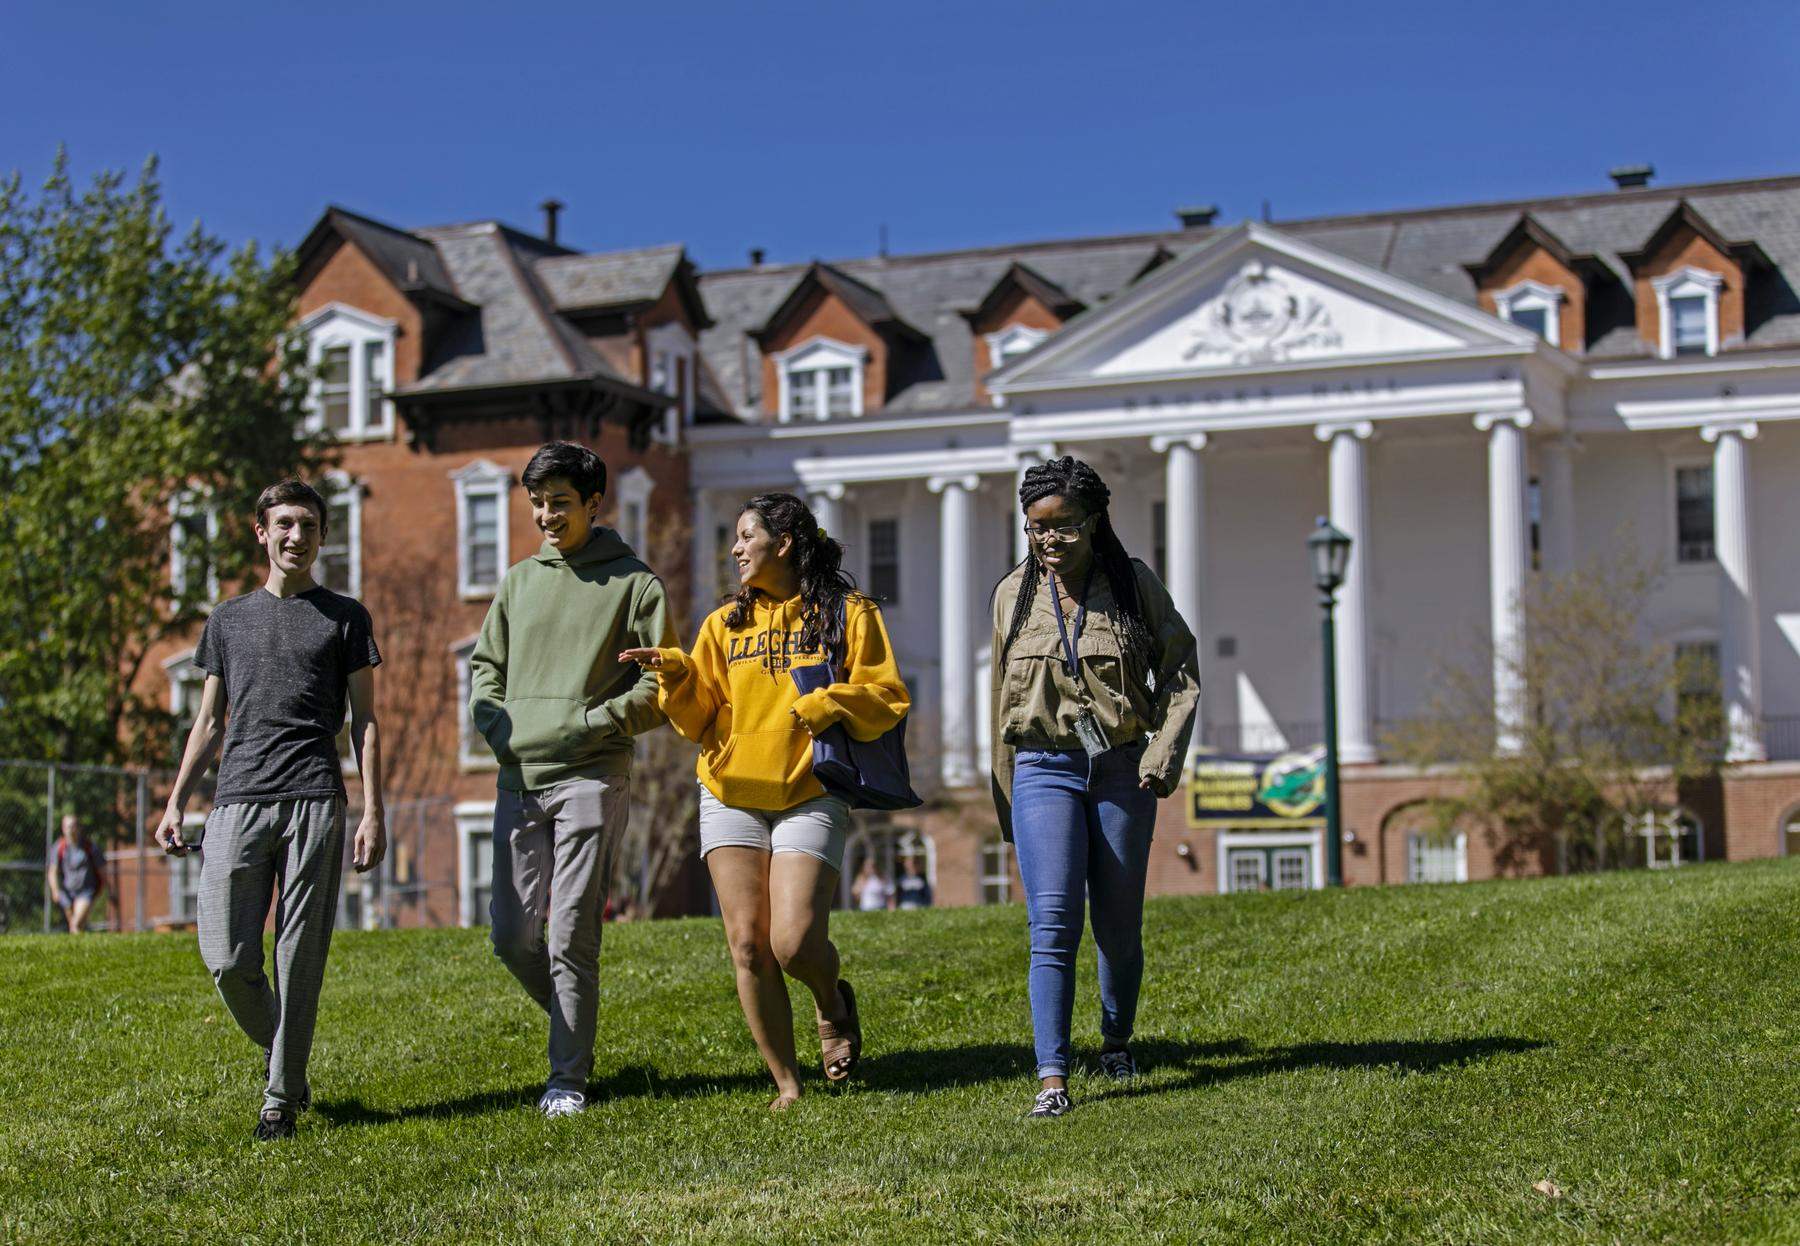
[[1472, 392]]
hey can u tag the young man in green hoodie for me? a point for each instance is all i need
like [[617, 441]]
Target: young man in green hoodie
[[559, 712]]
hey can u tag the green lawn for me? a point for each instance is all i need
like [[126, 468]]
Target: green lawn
[[1375, 1065]]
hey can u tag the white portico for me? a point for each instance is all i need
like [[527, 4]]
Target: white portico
[[1231, 396]]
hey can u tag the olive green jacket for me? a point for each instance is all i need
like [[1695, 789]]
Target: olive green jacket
[[1035, 700]]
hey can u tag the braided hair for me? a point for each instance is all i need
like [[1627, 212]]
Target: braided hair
[[818, 564], [1079, 483]]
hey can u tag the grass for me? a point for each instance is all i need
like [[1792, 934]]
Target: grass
[[1373, 1065]]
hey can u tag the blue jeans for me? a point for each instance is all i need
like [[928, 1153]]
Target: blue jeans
[[1082, 835]]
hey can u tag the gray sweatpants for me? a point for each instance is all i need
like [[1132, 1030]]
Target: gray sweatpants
[[553, 851], [247, 851]]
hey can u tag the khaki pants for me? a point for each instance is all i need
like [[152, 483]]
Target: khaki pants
[[553, 852]]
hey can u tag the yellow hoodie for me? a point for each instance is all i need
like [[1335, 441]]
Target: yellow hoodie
[[733, 697]]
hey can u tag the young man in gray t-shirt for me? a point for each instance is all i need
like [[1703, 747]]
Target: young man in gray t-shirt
[[284, 660]]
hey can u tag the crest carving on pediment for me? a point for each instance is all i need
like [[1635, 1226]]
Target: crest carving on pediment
[[1258, 318]]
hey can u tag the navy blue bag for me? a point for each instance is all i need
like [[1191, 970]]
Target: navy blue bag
[[868, 774]]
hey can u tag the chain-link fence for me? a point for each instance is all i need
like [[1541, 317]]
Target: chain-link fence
[[116, 810]]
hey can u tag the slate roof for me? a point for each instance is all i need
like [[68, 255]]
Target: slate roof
[[615, 279], [1430, 247], [511, 295]]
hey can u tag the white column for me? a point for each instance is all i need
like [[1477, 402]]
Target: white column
[[1740, 625], [1350, 512], [826, 509], [956, 604], [1509, 557], [1184, 515], [1027, 458], [1556, 504]]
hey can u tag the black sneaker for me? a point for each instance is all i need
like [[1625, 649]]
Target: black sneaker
[[274, 1124], [1118, 1065], [1051, 1101]]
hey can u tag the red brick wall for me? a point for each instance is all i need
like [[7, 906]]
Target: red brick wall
[[349, 277], [823, 314], [1686, 249], [1533, 263], [1758, 801], [1015, 307]]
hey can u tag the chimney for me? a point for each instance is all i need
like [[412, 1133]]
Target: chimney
[[1632, 176], [551, 207], [1198, 217], [756, 257]]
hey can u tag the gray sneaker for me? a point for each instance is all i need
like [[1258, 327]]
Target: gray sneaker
[[1051, 1101]]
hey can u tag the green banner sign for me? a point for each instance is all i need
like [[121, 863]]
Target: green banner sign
[[1257, 789]]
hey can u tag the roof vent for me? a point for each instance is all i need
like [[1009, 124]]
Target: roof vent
[[756, 257], [1632, 176], [1198, 217], [551, 208]]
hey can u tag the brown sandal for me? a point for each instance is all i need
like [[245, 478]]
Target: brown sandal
[[840, 1045]]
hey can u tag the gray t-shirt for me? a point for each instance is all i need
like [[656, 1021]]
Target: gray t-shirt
[[286, 664], [75, 869]]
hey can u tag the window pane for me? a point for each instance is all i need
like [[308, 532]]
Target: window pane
[[375, 371], [884, 559], [803, 395], [842, 396], [1290, 871], [482, 556], [1694, 514], [1687, 317], [334, 387], [333, 566], [1430, 860], [1534, 318], [1246, 871]]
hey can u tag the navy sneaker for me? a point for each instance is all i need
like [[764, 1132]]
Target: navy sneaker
[[1051, 1101], [274, 1124], [1118, 1065]]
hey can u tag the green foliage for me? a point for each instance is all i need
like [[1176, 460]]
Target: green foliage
[[1613, 720], [134, 370], [1378, 1065]]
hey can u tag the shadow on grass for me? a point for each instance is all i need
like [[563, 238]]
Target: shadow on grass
[[927, 1069], [1207, 1064]]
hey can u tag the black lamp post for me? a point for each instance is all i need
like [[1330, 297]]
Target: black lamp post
[[1329, 550]]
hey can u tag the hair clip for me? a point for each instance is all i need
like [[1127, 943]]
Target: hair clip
[[822, 534]]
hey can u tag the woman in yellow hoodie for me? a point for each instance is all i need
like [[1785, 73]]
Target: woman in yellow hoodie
[[771, 837]]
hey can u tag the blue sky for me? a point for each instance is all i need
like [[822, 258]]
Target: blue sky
[[803, 128]]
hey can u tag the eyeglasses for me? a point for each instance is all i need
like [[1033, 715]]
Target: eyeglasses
[[1064, 536]]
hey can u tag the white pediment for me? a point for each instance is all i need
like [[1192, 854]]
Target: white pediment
[[1253, 300]]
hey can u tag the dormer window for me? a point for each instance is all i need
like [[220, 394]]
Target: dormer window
[[352, 353], [1534, 306], [1011, 342], [671, 371], [1687, 304], [821, 380]]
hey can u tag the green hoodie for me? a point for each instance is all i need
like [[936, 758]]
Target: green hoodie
[[546, 688]]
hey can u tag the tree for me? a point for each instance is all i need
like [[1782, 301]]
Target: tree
[[138, 376], [1614, 721]]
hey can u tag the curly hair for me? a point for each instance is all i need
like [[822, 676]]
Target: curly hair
[[1077, 482], [818, 563]]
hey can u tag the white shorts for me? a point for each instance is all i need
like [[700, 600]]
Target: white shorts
[[817, 827]]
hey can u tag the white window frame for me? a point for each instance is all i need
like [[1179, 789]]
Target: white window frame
[[182, 506], [1225, 841], [819, 355], [669, 353], [337, 324], [633, 493], [481, 479], [1001, 342], [1531, 295], [1687, 283], [1002, 879], [1676, 464], [342, 487], [180, 670], [1457, 843], [472, 752], [473, 817]]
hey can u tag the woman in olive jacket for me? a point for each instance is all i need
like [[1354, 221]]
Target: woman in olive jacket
[[1095, 685]]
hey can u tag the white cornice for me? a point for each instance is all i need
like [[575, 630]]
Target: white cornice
[[819, 474], [720, 434], [1652, 415], [1690, 365], [1250, 375]]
